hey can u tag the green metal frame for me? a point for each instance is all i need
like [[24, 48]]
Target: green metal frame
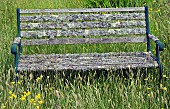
[[16, 49], [159, 44]]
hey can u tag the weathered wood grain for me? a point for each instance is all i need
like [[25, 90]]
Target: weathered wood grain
[[22, 11], [154, 38], [91, 32], [82, 17], [68, 25], [83, 40], [17, 40], [92, 61]]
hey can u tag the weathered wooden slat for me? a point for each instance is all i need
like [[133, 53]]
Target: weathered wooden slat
[[17, 40], [83, 40], [22, 11], [98, 32], [154, 38], [82, 17], [67, 25], [42, 62]]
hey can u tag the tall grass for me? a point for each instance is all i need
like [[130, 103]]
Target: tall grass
[[88, 91]]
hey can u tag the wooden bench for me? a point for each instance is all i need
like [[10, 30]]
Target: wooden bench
[[121, 25]]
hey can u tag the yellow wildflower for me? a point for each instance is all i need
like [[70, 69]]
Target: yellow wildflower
[[40, 102], [19, 82], [23, 98], [158, 10], [38, 78], [149, 95], [164, 76], [25, 92], [150, 9], [161, 85], [37, 107], [28, 93], [38, 96], [13, 95], [149, 88], [10, 92], [3, 107], [169, 60], [13, 82], [165, 88], [146, 79], [32, 100]]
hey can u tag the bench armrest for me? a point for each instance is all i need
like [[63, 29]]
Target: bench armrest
[[157, 41], [14, 48], [17, 40], [15, 44]]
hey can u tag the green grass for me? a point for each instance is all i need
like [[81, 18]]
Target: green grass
[[88, 91]]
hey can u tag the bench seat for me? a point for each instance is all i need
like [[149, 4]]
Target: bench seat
[[86, 61]]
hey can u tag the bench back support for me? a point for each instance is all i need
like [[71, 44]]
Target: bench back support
[[80, 26]]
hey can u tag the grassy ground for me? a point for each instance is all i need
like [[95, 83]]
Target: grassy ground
[[89, 91]]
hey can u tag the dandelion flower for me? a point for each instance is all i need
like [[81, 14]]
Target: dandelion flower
[[146, 79], [3, 107], [164, 76], [158, 10], [161, 85], [28, 93], [149, 95], [40, 102], [23, 98], [165, 88], [37, 107], [32, 100], [10, 92], [13, 95], [38, 96], [19, 82], [24, 92], [13, 82], [38, 78]]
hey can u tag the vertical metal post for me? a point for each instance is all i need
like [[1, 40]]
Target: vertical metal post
[[19, 29], [147, 28], [159, 63], [16, 67], [157, 54], [19, 46]]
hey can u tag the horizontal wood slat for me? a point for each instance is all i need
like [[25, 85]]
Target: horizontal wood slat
[[98, 32], [83, 40], [91, 61], [67, 25], [82, 10], [82, 17]]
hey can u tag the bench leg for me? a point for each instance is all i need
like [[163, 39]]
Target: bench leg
[[16, 77], [160, 72]]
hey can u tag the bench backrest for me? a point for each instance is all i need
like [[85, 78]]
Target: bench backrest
[[76, 26]]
